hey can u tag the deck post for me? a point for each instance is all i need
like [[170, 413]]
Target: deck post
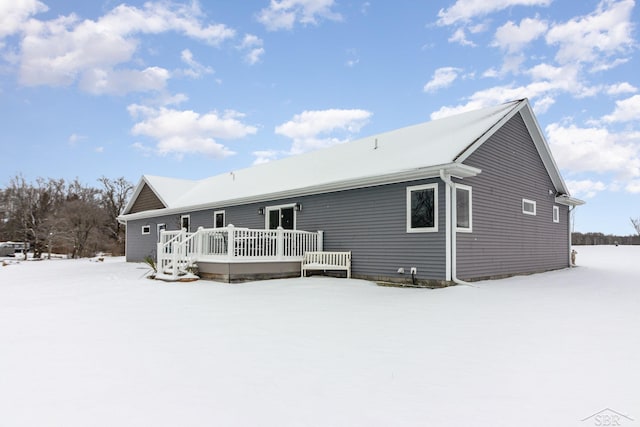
[[231, 241], [199, 247], [280, 244], [320, 241]]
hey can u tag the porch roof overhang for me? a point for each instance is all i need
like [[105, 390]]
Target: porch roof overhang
[[455, 169]]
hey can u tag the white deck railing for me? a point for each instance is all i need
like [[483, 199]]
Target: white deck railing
[[179, 249]]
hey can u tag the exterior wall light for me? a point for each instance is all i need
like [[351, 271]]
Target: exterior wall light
[[260, 211], [298, 207]]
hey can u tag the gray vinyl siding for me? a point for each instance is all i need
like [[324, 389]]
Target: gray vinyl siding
[[505, 241], [369, 222]]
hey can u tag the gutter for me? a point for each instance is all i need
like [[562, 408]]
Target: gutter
[[455, 169], [451, 228]]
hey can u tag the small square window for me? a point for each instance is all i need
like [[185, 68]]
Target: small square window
[[528, 207], [146, 229], [556, 214]]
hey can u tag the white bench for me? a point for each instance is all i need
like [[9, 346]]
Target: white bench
[[326, 261]]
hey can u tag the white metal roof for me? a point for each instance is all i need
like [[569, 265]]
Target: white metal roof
[[408, 153]]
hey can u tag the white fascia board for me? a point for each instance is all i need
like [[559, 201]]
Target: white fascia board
[[483, 138], [569, 201], [141, 183], [543, 149], [529, 118], [134, 196], [454, 169]]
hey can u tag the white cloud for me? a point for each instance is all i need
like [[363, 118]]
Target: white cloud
[[465, 10], [493, 96], [196, 69], [119, 82], [15, 14], [620, 88], [253, 46], [311, 130], [595, 149], [67, 49], [442, 77], [626, 110], [596, 37], [512, 37], [186, 131], [74, 138], [284, 14], [633, 186], [585, 188], [542, 105], [265, 156], [460, 37]]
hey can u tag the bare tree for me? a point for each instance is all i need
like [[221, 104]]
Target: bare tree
[[29, 210], [114, 196], [81, 217], [636, 225]]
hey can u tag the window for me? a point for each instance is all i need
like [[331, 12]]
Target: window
[[281, 216], [160, 228], [218, 219], [556, 214], [185, 222], [463, 208], [528, 207], [146, 229], [422, 208]]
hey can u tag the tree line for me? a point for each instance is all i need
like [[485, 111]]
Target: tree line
[[55, 216], [603, 239]]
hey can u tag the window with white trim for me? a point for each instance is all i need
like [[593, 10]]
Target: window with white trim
[[281, 216], [463, 208], [422, 208], [219, 219], [528, 207], [556, 214], [185, 222], [146, 229]]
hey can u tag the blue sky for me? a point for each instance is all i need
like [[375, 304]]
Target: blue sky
[[194, 89]]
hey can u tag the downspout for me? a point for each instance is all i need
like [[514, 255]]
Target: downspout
[[451, 229], [570, 227]]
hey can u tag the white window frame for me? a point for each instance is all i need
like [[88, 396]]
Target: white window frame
[[224, 218], [413, 188], [182, 217], [159, 228], [530, 202], [148, 229], [278, 207], [469, 189], [556, 214]]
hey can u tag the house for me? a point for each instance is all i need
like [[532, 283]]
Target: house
[[471, 196]]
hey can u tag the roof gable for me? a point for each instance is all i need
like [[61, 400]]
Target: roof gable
[[524, 108], [154, 192]]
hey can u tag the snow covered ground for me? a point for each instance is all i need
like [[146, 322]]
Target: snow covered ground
[[96, 344]]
